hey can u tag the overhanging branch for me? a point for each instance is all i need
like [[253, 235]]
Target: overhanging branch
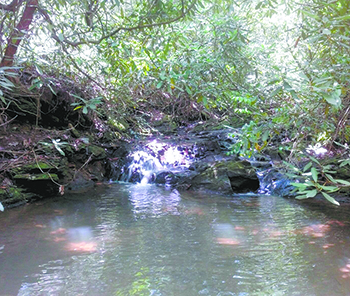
[[117, 30]]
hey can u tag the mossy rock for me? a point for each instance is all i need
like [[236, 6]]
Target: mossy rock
[[13, 196], [36, 177], [98, 152], [34, 167]]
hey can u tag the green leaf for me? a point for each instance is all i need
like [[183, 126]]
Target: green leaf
[[300, 186], [344, 162], [188, 90], [344, 182], [329, 188], [333, 98], [58, 148], [291, 166], [314, 16], [311, 193], [159, 84], [343, 17], [301, 197], [314, 159], [314, 174], [276, 91], [330, 177], [330, 199], [306, 167], [60, 37], [265, 135], [326, 31]]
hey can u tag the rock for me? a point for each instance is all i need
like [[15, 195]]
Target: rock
[[227, 177], [98, 152], [81, 183], [242, 177], [166, 178], [199, 166], [73, 131], [274, 182], [13, 196]]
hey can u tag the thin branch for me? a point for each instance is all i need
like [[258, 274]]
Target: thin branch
[[116, 31], [7, 122]]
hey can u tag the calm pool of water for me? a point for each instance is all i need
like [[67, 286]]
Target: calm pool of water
[[126, 239]]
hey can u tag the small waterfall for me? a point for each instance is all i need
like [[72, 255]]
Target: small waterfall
[[145, 164], [142, 168]]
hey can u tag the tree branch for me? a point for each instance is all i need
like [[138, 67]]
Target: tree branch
[[12, 6], [19, 32], [117, 30]]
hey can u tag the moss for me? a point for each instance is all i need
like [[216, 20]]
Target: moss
[[13, 195], [33, 168], [98, 152], [36, 177], [231, 166], [118, 124]]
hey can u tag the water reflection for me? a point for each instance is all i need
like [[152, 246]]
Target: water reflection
[[147, 200], [146, 240], [226, 234]]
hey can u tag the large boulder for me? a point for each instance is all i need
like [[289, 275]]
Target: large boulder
[[227, 176]]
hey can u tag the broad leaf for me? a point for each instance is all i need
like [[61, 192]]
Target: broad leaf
[[314, 174], [330, 199]]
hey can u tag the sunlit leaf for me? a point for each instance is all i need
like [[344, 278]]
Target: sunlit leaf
[[344, 182], [314, 174], [333, 98], [311, 193], [329, 188], [330, 198], [301, 196]]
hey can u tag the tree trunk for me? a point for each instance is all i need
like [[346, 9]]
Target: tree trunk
[[18, 33]]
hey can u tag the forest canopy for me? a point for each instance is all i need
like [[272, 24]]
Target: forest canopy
[[277, 68]]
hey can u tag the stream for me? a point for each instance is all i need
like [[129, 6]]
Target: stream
[[133, 239]]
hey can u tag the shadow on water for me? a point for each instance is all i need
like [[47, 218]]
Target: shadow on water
[[131, 239]]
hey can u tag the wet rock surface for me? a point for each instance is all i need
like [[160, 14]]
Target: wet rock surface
[[196, 160], [37, 163], [192, 158]]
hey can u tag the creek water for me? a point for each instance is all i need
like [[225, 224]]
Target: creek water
[[132, 239]]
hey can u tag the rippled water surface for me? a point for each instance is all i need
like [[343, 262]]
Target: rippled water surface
[[128, 239]]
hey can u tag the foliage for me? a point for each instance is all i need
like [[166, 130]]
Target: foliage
[[57, 144], [5, 82], [301, 80], [87, 105]]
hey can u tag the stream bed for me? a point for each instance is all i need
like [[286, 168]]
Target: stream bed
[[132, 239]]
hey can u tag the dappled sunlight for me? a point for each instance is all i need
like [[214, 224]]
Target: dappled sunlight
[[226, 234], [317, 150], [227, 241], [81, 247], [316, 230], [77, 239], [345, 270], [80, 240]]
